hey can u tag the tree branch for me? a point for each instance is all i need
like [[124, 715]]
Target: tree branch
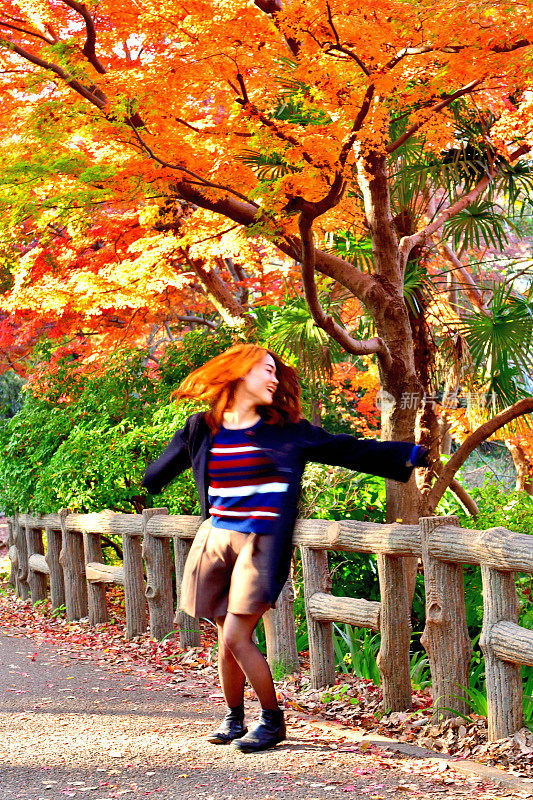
[[202, 181], [99, 102], [471, 289], [219, 295], [408, 242], [456, 48], [485, 430], [433, 110], [356, 127], [272, 7], [466, 499], [323, 320], [51, 40], [341, 48], [197, 321], [362, 284], [253, 111], [89, 48]]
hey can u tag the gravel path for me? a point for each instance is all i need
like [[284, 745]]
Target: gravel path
[[72, 725]]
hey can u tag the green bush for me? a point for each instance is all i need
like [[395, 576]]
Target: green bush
[[336, 493], [82, 438], [499, 507]]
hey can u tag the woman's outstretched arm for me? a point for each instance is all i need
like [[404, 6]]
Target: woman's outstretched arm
[[394, 460]]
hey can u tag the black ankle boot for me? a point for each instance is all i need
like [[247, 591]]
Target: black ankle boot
[[232, 727], [269, 730]]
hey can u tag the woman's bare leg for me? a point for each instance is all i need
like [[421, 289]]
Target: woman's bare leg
[[237, 631], [232, 678]]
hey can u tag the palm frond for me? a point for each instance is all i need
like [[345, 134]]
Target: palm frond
[[292, 332], [268, 166], [417, 287], [501, 344], [356, 250], [480, 224]]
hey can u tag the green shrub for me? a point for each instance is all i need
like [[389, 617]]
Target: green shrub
[[336, 493], [83, 438]]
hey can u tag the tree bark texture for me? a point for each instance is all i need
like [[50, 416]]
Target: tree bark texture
[[12, 580], [504, 681], [280, 632], [350, 610], [497, 548], [158, 559], [134, 588], [321, 654], [22, 550], [524, 480], [37, 563], [400, 387], [36, 580], [14, 559], [511, 642], [188, 627], [95, 590], [97, 572], [371, 537], [72, 560], [393, 657], [445, 636], [165, 525], [57, 584], [105, 523]]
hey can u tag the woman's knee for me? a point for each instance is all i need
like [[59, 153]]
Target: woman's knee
[[233, 639], [236, 637]]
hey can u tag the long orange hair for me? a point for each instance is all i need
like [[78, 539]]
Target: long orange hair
[[216, 382]]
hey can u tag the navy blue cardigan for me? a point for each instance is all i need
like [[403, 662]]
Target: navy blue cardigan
[[290, 447]]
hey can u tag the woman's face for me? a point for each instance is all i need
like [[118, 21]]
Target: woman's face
[[260, 383]]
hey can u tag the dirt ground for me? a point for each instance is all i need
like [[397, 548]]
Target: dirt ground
[[74, 725]]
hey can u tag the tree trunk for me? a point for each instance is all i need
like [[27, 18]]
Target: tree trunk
[[400, 395], [524, 480]]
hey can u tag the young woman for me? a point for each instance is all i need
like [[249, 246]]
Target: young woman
[[248, 453]]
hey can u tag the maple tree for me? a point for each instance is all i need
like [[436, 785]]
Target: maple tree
[[276, 120]]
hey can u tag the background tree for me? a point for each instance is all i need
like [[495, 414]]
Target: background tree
[[174, 102], [331, 92]]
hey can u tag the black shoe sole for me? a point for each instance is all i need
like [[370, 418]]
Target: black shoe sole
[[252, 749], [219, 740]]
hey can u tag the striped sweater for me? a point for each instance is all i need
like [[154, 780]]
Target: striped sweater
[[245, 490]]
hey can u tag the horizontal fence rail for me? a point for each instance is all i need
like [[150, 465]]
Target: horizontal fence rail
[[155, 547]]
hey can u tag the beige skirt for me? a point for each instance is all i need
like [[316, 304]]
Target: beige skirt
[[225, 571]]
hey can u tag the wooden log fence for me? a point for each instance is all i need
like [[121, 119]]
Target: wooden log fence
[[72, 566]]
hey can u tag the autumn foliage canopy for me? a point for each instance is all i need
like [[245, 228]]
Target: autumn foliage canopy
[[157, 157]]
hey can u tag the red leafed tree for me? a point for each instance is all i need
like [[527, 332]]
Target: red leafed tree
[[169, 100], [281, 117]]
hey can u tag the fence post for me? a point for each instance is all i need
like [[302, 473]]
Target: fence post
[[321, 654], [445, 636], [188, 627], [504, 681], [22, 554], [57, 584], [393, 657], [96, 597], [134, 597], [73, 563], [13, 555], [36, 580], [280, 632], [158, 559]]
